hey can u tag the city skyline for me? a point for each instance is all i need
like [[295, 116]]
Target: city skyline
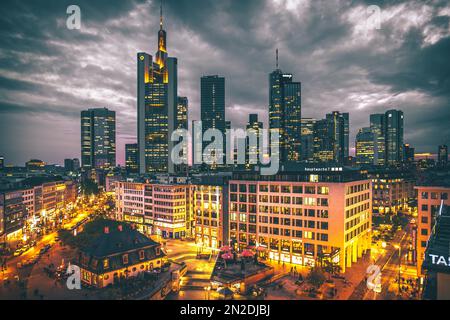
[[336, 73]]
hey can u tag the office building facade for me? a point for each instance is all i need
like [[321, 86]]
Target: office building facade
[[394, 137], [377, 127], [98, 139], [307, 141], [364, 146], [429, 200], [132, 158], [212, 112], [285, 114], [442, 156], [302, 218]]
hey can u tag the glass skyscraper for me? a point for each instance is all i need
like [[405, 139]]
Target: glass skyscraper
[[364, 147], [98, 139], [132, 158], [157, 107], [253, 148], [212, 106], [307, 140], [377, 127], [394, 137], [442, 155], [338, 131]]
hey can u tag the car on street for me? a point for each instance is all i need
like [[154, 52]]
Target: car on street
[[18, 252]]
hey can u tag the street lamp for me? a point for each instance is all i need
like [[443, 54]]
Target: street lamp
[[207, 289]]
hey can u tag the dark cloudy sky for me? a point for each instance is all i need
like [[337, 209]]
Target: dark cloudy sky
[[48, 74]]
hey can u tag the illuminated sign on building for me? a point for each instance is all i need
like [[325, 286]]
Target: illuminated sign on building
[[439, 260]]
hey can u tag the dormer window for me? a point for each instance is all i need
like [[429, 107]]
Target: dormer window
[[158, 251], [141, 255], [125, 259], [106, 264]]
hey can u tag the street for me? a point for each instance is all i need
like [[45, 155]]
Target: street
[[14, 279]]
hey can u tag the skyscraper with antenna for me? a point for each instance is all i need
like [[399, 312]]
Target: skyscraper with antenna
[[285, 113], [157, 100]]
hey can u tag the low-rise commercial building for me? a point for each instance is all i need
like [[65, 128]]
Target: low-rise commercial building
[[12, 214], [210, 207], [159, 209], [392, 191], [429, 200]]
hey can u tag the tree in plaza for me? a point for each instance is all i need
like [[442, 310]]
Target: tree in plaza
[[331, 267], [316, 277], [89, 187]]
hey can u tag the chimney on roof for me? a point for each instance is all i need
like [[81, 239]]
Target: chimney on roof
[[106, 230], [120, 228]]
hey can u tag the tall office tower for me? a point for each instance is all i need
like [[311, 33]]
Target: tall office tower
[[98, 139], [254, 128], [323, 144], [408, 153], [132, 158], [182, 113], [364, 147], [69, 165], [225, 146], [394, 137], [76, 164], [338, 131], [285, 113], [443, 156], [182, 124], [378, 130], [157, 107], [2, 162], [212, 106], [307, 141]]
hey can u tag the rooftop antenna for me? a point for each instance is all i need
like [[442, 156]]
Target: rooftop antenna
[[161, 15], [277, 57]]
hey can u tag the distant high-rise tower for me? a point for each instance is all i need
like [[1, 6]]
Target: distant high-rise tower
[[377, 127], [98, 139], [394, 137], [71, 165], [323, 143], [212, 107], [442, 156], [252, 148], [132, 158], [364, 147], [408, 153], [182, 124], [285, 113], [182, 113], [307, 141], [338, 130], [157, 104]]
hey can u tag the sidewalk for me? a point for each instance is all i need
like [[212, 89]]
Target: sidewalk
[[48, 288]]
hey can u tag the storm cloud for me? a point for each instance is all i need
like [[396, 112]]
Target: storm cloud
[[48, 73]]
